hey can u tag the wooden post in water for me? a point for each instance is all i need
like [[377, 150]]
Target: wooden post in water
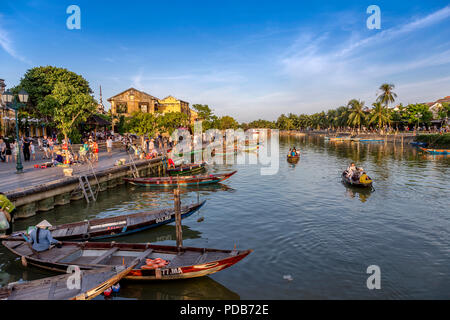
[[176, 196]]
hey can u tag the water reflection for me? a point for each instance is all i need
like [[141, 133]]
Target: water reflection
[[360, 193], [203, 288]]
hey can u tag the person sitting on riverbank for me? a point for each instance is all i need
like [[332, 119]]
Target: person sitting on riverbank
[[58, 159], [41, 238], [7, 210]]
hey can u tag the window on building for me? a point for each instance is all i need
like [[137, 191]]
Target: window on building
[[122, 107], [144, 107]]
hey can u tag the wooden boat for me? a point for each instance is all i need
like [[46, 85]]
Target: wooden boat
[[250, 148], [354, 183], [93, 283], [293, 159], [436, 151], [183, 263], [180, 180], [185, 169], [371, 140], [117, 226]]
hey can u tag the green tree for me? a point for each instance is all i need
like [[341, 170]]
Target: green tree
[[387, 95], [357, 115], [418, 113], [379, 115], [142, 124], [284, 123], [171, 121], [227, 122], [73, 107], [58, 96]]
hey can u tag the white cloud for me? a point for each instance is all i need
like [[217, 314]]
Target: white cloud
[[7, 45]]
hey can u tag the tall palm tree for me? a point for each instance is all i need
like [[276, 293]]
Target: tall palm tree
[[379, 115], [387, 95], [357, 115]]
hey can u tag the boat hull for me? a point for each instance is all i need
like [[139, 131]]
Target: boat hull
[[436, 151], [113, 227], [195, 266], [179, 181], [352, 183]]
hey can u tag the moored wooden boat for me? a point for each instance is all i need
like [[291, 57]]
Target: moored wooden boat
[[354, 183], [436, 151], [93, 283], [117, 226], [183, 263], [293, 159], [185, 169], [180, 180]]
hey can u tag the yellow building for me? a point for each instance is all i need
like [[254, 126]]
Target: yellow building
[[132, 100], [172, 104]]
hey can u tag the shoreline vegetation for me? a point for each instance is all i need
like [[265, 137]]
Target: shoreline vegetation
[[436, 141]]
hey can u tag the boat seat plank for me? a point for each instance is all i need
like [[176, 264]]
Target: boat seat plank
[[56, 254], [143, 255], [185, 259], [105, 255], [51, 292], [24, 249], [81, 229], [59, 232]]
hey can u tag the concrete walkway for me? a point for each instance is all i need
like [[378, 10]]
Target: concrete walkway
[[11, 181]]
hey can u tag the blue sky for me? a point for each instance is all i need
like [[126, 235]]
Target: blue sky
[[248, 59]]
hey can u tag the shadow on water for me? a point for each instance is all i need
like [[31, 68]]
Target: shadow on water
[[203, 288], [360, 193]]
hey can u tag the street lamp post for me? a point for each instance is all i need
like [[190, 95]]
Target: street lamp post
[[15, 104]]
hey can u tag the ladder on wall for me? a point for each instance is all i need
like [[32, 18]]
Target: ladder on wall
[[85, 187], [133, 167]]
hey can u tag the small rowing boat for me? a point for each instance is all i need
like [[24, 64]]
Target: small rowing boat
[[93, 283], [355, 183], [371, 140], [174, 263], [116, 226], [436, 151], [186, 169], [179, 180], [293, 159]]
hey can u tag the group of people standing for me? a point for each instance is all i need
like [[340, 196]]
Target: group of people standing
[[9, 149]]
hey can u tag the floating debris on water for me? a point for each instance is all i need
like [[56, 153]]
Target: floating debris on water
[[288, 277]]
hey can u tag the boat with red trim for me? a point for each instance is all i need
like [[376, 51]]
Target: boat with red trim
[[179, 262], [180, 180]]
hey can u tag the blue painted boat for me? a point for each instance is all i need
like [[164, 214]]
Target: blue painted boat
[[436, 151], [117, 226]]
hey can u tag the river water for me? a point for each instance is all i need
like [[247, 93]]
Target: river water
[[312, 236]]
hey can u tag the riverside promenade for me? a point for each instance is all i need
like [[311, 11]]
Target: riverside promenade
[[37, 189]]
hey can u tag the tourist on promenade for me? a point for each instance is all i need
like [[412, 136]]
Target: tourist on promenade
[[45, 147], [2, 150], [7, 210], [51, 146], [26, 149], [41, 238], [15, 150], [33, 151], [95, 150], [8, 151], [109, 144]]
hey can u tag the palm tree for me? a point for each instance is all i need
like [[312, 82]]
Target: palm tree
[[387, 95], [379, 115], [357, 115]]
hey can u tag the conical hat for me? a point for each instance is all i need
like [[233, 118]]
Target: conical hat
[[43, 224]]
